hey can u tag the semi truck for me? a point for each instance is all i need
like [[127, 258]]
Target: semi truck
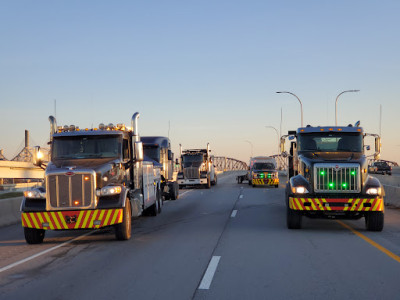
[[197, 168], [158, 148], [328, 176], [95, 178]]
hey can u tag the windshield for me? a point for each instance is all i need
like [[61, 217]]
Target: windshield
[[81, 147], [153, 152], [263, 166], [330, 142], [192, 160]]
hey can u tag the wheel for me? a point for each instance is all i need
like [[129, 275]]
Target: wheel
[[215, 180], [277, 185], [293, 218], [174, 191], [208, 184], [153, 209], [33, 235], [374, 221], [123, 231]]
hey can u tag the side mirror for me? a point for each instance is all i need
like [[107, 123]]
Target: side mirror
[[170, 156], [138, 151], [282, 145], [37, 156], [177, 161], [368, 147], [377, 156], [377, 144]]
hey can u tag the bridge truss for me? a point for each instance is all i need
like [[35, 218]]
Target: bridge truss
[[223, 163]]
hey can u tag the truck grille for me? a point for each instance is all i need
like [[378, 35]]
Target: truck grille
[[191, 173], [337, 178], [75, 191]]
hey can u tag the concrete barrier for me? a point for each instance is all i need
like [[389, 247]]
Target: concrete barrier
[[10, 211]]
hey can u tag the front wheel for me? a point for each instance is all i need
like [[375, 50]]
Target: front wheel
[[33, 235], [293, 219], [123, 231], [374, 221], [208, 184]]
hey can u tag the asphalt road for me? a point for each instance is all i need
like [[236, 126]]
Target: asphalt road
[[229, 242]]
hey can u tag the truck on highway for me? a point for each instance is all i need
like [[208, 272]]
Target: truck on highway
[[328, 176], [263, 172], [95, 178], [158, 148], [197, 168]]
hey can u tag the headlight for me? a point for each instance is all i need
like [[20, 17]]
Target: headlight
[[374, 191], [109, 191], [299, 190], [34, 194]]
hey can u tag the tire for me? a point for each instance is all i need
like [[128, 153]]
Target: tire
[[374, 221], [153, 210], [215, 180], [277, 185], [174, 191], [33, 235], [123, 231], [293, 219], [208, 184]]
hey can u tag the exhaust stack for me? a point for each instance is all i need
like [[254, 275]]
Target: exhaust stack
[[53, 127], [134, 125]]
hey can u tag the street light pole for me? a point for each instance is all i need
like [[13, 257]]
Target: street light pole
[[349, 91], [251, 144], [276, 130], [301, 104]]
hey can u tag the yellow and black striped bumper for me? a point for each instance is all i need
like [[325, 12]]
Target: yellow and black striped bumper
[[79, 219], [265, 181], [339, 204]]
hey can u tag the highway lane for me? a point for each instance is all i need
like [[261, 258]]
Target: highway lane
[[239, 228]]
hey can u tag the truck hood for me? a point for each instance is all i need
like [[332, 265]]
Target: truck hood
[[310, 158], [334, 156], [81, 163]]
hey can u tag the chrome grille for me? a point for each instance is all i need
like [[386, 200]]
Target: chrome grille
[[75, 191], [337, 178], [191, 173]]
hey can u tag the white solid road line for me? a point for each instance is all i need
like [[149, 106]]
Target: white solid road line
[[234, 212], [209, 275], [43, 252]]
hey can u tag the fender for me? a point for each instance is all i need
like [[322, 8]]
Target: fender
[[373, 182], [299, 180]]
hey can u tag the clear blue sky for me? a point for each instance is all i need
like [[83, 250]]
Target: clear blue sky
[[211, 68]]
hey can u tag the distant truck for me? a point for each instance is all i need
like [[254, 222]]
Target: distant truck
[[96, 178], [263, 172], [197, 168], [328, 176], [380, 167], [158, 148]]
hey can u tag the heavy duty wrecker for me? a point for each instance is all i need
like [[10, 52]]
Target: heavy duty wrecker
[[158, 148], [95, 178], [197, 168], [328, 176]]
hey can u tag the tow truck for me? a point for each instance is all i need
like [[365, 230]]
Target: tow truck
[[95, 178], [328, 176]]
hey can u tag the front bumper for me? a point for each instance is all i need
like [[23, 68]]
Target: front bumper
[[265, 181], [192, 181], [337, 204], [78, 219]]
